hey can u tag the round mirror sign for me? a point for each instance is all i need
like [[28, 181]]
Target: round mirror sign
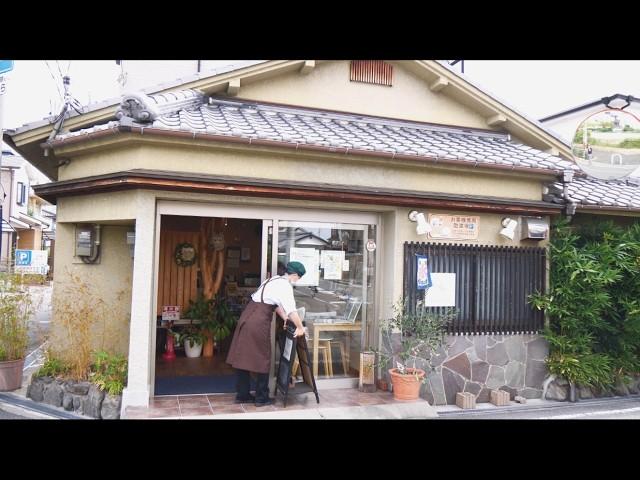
[[606, 145]]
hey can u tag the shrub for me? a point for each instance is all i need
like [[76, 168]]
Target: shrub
[[412, 336], [52, 367], [593, 302], [109, 372], [15, 311]]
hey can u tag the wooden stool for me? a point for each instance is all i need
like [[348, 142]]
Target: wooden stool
[[325, 351], [343, 354]]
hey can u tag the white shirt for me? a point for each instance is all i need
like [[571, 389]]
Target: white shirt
[[277, 292]]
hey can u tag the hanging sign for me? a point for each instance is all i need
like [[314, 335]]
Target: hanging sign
[[423, 279], [371, 245]]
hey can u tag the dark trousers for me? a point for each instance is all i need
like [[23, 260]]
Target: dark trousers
[[243, 385]]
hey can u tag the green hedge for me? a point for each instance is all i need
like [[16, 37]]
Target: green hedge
[[593, 303]]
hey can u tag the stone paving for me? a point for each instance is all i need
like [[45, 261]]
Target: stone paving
[[334, 403]]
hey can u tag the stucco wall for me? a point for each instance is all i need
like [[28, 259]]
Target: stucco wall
[[102, 290], [403, 230], [328, 86], [304, 168]]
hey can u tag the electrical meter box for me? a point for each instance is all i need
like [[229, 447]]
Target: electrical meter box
[[534, 228], [84, 240]]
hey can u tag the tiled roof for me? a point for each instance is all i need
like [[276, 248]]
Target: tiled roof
[[330, 129], [601, 193]]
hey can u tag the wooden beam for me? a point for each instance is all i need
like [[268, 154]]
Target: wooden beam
[[234, 87], [439, 84], [307, 67], [497, 119]]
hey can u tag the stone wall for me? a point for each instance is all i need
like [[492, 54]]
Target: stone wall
[[481, 363], [80, 397], [558, 389]]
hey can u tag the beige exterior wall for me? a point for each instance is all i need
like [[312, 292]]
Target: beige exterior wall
[[306, 168], [328, 86], [112, 277], [398, 229], [103, 290]]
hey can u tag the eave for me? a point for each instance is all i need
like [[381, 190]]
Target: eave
[[242, 186]]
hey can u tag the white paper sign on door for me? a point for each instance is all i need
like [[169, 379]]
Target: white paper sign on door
[[442, 292], [332, 263], [310, 258]]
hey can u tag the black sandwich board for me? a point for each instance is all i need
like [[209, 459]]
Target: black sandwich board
[[290, 348]]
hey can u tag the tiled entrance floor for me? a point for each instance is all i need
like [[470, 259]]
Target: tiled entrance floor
[[183, 406]]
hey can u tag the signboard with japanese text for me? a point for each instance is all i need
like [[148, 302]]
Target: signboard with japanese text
[[170, 313], [458, 227], [32, 261]]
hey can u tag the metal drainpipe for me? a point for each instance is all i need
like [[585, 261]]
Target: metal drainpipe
[[570, 208]]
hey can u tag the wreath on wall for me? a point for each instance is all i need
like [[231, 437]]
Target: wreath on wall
[[185, 254]]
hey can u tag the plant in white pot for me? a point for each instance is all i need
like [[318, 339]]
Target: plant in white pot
[[15, 311], [410, 338], [193, 340]]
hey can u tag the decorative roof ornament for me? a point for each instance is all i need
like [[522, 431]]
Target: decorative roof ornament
[[147, 108]]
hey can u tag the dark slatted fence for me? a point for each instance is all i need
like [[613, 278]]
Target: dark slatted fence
[[492, 285]]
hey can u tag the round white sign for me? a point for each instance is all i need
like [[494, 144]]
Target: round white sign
[[371, 245]]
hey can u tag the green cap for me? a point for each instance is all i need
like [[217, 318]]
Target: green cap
[[296, 267]]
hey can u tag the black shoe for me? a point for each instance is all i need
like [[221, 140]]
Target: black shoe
[[268, 401], [249, 399]]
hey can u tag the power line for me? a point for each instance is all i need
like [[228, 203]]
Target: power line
[[54, 80]]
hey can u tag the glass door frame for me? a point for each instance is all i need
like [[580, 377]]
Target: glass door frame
[[271, 216]]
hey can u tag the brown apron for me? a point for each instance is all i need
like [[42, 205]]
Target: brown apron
[[251, 345]]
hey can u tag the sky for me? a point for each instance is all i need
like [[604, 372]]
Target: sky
[[537, 88]]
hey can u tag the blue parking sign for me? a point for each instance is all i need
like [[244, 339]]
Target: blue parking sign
[[6, 66], [23, 258]]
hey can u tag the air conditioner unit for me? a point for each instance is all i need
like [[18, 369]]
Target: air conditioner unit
[[534, 228]]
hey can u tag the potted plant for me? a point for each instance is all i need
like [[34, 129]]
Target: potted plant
[[15, 311], [201, 310], [409, 338], [221, 320], [193, 340]]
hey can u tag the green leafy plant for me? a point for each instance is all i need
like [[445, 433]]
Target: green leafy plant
[[52, 367], [191, 334], [221, 320], [198, 310], [593, 303], [409, 337], [15, 311], [109, 372], [215, 315]]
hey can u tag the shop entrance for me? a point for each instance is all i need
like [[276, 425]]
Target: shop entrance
[[208, 268], [244, 245]]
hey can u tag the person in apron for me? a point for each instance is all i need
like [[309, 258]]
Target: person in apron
[[250, 349]]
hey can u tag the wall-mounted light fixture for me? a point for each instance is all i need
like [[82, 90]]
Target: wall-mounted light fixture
[[423, 227], [509, 230]]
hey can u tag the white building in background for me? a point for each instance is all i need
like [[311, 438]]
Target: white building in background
[[28, 221]]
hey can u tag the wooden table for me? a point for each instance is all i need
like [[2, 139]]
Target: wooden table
[[318, 328]]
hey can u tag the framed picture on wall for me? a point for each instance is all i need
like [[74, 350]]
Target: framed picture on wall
[[245, 255]]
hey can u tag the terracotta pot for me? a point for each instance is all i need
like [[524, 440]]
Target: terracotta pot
[[406, 387], [383, 385], [11, 375]]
